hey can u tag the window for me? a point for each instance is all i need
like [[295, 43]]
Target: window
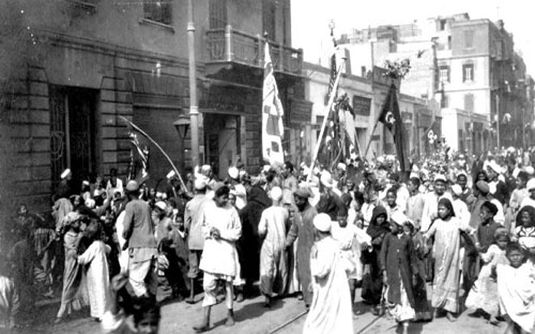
[[449, 42], [361, 105], [444, 101], [268, 18], [444, 73], [468, 39], [218, 14], [442, 25], [469, 102], [392, 47], [468, 72], [159, 11]]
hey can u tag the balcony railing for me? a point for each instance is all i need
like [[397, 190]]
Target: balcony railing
[[229, 45]]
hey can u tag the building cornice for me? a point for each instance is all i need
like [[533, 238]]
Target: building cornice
[[97, 46]]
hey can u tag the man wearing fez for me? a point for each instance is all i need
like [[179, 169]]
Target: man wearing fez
[[141, 243]]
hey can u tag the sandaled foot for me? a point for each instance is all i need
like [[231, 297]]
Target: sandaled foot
[[451, 317]]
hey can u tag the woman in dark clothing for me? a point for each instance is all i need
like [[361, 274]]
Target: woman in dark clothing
[[373, 279], [249, 244], [421, 304]]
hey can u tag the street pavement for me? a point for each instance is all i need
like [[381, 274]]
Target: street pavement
[[284, 317]]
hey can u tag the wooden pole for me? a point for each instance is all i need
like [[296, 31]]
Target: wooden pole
[[159, 148], [370, 140], [325, 120]]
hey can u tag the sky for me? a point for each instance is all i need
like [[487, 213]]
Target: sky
[[310, 19]]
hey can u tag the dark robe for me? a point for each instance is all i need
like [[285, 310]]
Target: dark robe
[[502, 193], [421, 304], [372, 281], [303, 230], [397, 258], [249, 244], [22, 258], [175, 248], [64, 189]]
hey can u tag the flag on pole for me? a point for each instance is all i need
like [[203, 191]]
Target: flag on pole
[[142, 152], [391, 119], [272, 112]]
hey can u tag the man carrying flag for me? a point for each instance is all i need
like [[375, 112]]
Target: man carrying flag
[[272, 111], [391, 119]]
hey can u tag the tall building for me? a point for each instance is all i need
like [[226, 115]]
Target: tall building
[[464, 64], [73, 67]]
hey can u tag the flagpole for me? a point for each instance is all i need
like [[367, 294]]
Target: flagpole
[[325, 119], [159, 148]]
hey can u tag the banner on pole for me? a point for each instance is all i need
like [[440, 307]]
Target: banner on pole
[[272, 112], [391, 118]]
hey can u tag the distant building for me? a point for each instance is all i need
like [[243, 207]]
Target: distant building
[[463, 64]]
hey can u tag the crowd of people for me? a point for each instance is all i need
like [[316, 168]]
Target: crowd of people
[[467, 228]]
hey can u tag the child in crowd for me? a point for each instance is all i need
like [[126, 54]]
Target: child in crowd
[[521, 192], [446, 252], [391, 202], [174, 247], [72, 274], [516, 291], [487, 227], [97, 270], [483, 297], [372, 281], [525, 231], [400, 271]]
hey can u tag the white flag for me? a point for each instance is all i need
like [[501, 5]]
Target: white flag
[[272, 112]]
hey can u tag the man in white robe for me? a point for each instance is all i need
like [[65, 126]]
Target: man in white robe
[[273, 263], [330, 311], [221, 228]]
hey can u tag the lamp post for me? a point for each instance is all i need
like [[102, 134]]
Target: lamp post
[[182, 125], [193, 106]]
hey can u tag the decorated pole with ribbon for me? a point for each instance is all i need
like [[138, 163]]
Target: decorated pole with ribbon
[[325, 120], [137, 128]]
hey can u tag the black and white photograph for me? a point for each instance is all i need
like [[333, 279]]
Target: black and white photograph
[[267, 167]]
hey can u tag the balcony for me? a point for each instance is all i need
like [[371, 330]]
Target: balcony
[[226, 46]]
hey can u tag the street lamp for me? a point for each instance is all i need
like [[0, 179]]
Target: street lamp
[[182, 126]]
